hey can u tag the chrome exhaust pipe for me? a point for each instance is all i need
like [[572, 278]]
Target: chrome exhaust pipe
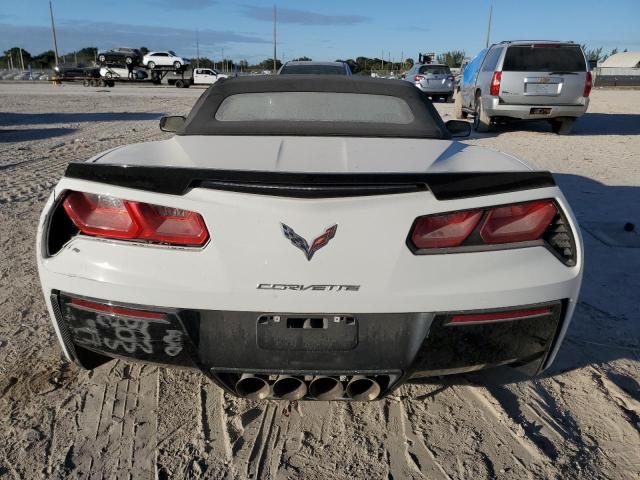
[[326, 388], [289, 388], [363, 388], [252, 387]]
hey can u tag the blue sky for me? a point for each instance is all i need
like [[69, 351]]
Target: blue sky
[[322, 30]]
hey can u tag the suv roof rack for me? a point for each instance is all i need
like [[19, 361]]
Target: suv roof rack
[[526, 40]]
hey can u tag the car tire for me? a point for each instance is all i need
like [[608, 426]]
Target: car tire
[[457, 107], [102, 58], [111, 83], [179, 84], [151, 65], [177, 65], [562, 126], [481, 121], [85, 83], [102, 83], [93, 82], [128, 60], [448, 99]]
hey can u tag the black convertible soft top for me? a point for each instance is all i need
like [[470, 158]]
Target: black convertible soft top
[[426, 122]]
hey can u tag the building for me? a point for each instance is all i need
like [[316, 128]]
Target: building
[[620, 69]]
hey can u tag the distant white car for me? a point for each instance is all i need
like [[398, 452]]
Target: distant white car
[[117, 72], [163, 59]]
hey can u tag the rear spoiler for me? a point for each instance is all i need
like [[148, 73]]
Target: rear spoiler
[[178, 181]]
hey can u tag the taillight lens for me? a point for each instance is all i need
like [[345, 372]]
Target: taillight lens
[[110, 217], [100, 215], [448, 230], [518, 223], [494, 90], [588, 83]]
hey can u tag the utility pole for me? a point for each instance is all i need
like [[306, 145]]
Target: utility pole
[[382, 68], [53, 30], [489, 26], [223, 64], [275, 61], [197, 51], [21, 59]]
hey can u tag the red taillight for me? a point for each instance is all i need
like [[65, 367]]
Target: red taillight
[[500, 316], [106, 216], [114, 310], [518, 223], [494, 90], [100, 215], [417, 78], [588, 83], [448, 230]]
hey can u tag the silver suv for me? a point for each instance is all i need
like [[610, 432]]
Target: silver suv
[[436, 80], [526, 80]]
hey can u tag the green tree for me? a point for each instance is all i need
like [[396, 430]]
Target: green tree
[[143, 50], [452, 58], [302, 59], [45, 60]]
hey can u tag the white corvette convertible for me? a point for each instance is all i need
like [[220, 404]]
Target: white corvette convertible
[[310, 237]]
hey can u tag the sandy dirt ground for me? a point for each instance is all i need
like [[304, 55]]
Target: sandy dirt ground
[[581, 419]]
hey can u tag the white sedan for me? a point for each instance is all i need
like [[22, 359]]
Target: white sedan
[[320, 238], [163, 59]]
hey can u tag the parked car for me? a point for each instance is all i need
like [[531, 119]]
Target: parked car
[[75, 72], [525, 80], [163, 59], [315, 68], [436, 80], [120, 56], [196, 76], [119, 72], [273, 245]]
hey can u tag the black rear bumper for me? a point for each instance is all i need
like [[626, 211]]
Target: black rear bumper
[[393, 348]]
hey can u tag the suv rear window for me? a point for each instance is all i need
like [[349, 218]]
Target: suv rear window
[[544, 58], [314, 107], [435, 69]]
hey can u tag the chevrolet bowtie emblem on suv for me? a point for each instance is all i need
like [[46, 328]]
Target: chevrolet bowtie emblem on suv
[[303, 245]]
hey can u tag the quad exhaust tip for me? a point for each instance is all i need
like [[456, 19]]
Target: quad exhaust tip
[[326, 388], [363, 388], [289, 388], [252, 387]]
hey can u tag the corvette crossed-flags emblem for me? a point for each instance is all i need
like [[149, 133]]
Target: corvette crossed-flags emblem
[[303, 245]]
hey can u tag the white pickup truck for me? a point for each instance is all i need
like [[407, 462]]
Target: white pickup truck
[[197, 76]]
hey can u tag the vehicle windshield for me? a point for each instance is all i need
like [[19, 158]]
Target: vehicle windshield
[[435, 70], [544, 58], [314, 107], [312, 70]]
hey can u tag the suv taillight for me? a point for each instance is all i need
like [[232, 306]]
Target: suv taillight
[[531, 223], [110, 217], [588, 83], [494, 90]]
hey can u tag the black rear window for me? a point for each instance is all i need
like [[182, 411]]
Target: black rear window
[[312, 70], [435, 69], [544, 58]]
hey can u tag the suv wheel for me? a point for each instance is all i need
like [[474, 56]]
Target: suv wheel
[[128, 60], [562, 126], [457, 107], [481, 121], [151, 65]]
